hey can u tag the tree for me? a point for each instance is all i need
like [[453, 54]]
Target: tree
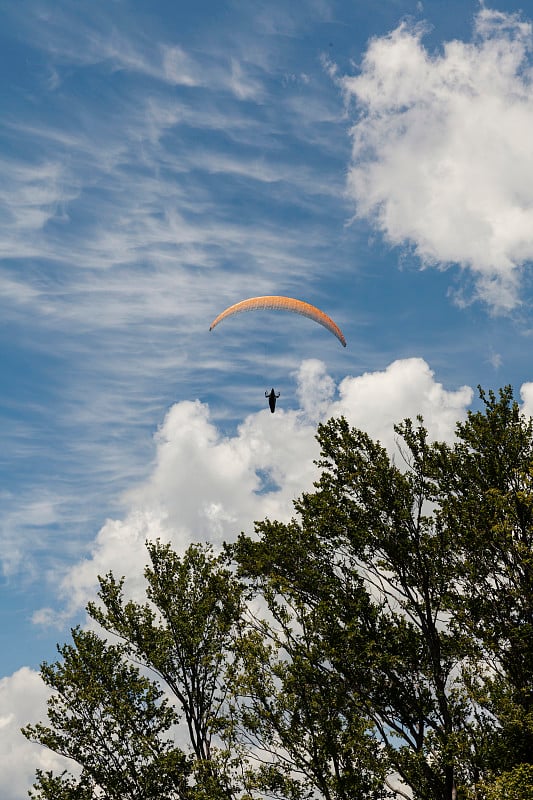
[[515, 784], [377, 645], [364, 576], [486, 499], [184, 634], [113, 722], [110, 719], [405, 591], [304, 729]]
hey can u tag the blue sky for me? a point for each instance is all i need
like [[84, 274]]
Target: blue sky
[[161, 161]]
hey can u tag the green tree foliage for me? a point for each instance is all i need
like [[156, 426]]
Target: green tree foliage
[[110, 719], [380, 644], [486, 500], [516, 784], [362, 580], [113, 722], [404, 589], [184, 633]]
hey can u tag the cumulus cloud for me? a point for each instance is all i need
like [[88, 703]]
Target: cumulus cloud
[[206, 486], [376, 401], [315, 389], [526, 393], [22, 701], [442, 158]]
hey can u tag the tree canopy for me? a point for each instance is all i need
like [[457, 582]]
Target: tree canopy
[[378, 645]]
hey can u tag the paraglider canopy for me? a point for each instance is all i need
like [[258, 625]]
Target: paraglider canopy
[[281, 303]]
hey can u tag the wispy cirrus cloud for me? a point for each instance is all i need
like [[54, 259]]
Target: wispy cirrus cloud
[[119, 246], [102, 35]]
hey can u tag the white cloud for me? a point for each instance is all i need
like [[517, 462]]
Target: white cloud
[[205, 486], [442, 157], [95, 36], [86, 37], [178, 66], [376, 401], [31, 194], [315, 389], [495, 359], [24, 520], [243, 85], [526, 393], [23, 698]]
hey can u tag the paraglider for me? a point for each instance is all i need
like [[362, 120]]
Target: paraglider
[[272, 397], [281, 303], [277, 302]]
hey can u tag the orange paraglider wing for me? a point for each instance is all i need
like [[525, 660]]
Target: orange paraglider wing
[[279, 303]]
